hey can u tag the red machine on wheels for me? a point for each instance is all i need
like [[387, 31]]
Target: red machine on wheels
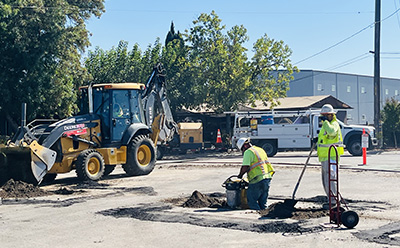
[[337, 214]]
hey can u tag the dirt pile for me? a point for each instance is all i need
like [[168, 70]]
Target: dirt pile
[[280, 210], [64, 191], [18, 189], [199, 200]]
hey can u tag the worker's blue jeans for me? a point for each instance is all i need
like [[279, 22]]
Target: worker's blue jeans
[[257, 194]]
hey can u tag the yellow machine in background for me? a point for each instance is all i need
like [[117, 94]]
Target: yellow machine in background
[[191, 135], [119, 124]]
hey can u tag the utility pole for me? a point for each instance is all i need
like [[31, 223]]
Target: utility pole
[[377, 77]]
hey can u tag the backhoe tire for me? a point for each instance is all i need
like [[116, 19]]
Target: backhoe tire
[[90, 165], [141, 157]]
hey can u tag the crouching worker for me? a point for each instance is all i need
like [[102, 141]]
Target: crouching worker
[[259, 173]]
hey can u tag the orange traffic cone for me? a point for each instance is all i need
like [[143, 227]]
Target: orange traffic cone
[[219, 139]]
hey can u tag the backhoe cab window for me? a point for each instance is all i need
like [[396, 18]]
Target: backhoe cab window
[[137, 107], [127, 104], [120, 104]]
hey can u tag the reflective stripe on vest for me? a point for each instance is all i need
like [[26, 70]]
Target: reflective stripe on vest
[[338, 144], [262, 164]]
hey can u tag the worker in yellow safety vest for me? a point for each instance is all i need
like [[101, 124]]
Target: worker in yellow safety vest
[[259, 173], [330, 134]]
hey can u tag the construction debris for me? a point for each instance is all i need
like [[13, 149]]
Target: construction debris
[[199, 200], [280, 210], [18, 189]]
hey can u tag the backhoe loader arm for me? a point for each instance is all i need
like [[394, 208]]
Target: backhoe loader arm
[[155, 102]]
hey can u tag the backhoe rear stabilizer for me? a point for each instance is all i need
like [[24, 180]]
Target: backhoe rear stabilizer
[[27, 163]]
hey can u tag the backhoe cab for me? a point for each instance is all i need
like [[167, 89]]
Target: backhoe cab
[[113, 128]]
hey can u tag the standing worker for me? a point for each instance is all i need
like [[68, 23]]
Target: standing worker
[[330, 134], [259, 173]]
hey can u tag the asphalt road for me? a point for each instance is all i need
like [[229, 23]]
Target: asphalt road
[[122, 211]]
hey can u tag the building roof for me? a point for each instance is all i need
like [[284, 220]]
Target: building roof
[[298, 103]]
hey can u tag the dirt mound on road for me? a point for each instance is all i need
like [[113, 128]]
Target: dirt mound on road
[[280, 210], [199, 200], [18, 189]]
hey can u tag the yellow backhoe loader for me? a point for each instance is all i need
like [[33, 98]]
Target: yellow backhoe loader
[[119, 124]]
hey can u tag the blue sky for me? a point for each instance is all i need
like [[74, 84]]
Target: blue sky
[[307, 27]]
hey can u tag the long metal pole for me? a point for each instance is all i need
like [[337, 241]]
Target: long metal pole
[[377, 86]]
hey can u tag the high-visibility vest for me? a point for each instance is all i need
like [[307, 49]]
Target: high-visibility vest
[[261, 166], [324, 142]]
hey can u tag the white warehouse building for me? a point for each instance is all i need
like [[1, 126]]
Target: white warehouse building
[[355, 90]]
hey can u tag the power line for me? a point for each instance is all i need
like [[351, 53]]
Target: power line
[[390, 52], [398, 19], [350, 61], [351, 36]]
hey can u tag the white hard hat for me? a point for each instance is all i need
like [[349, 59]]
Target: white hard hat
[[327, 109], [241, 142]]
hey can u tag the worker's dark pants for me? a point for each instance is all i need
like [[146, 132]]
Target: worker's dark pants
[[257, 194]]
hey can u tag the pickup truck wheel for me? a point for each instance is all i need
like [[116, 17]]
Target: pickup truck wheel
[[354, 147], [141, 157], [270, 148]]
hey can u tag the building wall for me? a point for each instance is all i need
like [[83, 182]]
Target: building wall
[[302, 84], [355, 90]]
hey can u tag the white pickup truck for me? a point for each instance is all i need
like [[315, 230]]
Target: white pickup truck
[[293, 130]]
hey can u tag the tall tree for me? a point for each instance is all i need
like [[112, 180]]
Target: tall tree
[[179, 80], [222, 74], [205, 66], [119, 65], [41, 42]]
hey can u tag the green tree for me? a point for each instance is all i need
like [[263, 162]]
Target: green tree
[[121, 65], [41, 45], [222, 74], [179, 80], [391, 122], [205, 66]]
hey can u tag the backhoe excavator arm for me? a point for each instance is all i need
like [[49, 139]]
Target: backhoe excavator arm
[[155, 102]]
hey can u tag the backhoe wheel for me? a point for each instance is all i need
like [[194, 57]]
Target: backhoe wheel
[[141, 157], [90, 165]]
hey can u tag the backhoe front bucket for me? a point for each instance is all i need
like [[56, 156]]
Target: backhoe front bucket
[[29, 163]]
